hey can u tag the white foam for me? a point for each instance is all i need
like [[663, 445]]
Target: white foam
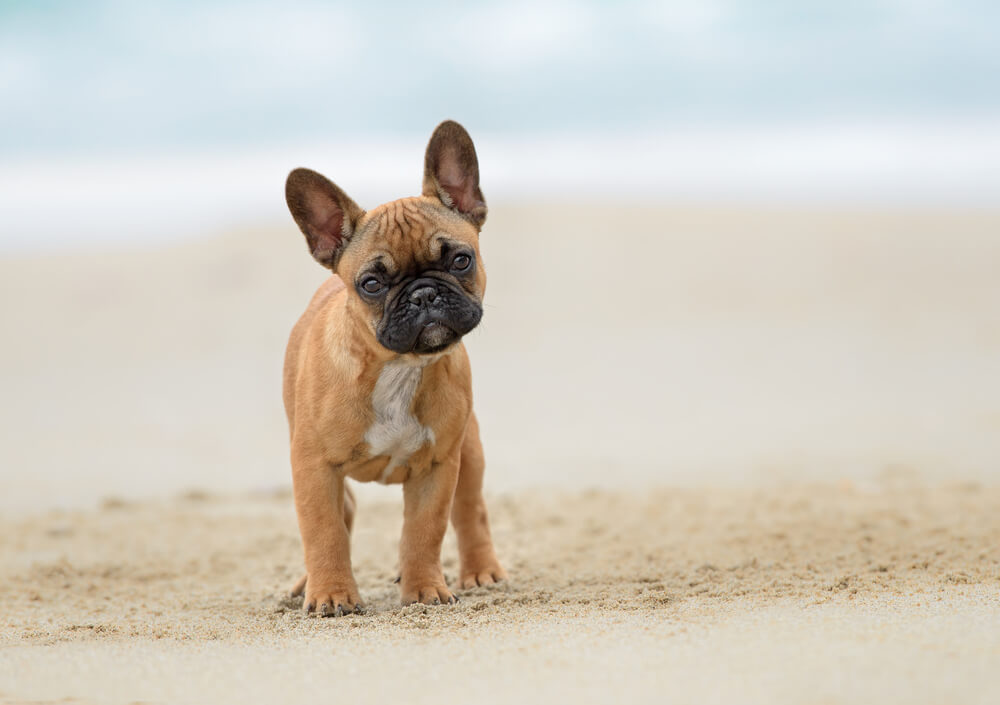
[[54, 203]]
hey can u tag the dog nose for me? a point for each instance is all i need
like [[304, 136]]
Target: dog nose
[[424, 295]]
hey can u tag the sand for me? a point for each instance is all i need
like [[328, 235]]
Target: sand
[[734, 455], [813, 594]]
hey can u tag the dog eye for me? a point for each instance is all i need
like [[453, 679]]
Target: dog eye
[[371, 285], [461, 263]]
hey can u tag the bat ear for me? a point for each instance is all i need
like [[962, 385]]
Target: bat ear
[[451, 172], [324, 214]]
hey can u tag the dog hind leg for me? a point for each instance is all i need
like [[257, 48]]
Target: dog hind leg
[[478, 560]]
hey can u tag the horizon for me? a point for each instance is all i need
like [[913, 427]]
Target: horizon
[[196, 111]]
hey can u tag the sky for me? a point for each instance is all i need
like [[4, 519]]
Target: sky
[[95, 76], [110, 87]]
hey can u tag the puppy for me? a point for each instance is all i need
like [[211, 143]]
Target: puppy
[[377, 384]]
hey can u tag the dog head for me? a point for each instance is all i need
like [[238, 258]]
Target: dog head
[[412, 266]]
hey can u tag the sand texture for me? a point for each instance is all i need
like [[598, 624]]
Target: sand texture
[[815, 594]]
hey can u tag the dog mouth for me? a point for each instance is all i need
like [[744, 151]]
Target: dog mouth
[[426, 316], [434, 337]]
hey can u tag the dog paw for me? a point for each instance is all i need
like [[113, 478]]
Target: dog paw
[[485, 573], [429, 594], [333, 601]]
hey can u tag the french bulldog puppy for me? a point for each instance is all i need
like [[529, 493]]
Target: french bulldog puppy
[[377, 384]]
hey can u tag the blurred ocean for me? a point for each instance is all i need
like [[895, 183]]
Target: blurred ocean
[[125, 122]]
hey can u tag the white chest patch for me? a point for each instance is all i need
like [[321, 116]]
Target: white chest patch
[[396, 432]]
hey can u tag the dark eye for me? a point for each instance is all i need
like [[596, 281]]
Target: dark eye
[[461, 263], [371, 285]]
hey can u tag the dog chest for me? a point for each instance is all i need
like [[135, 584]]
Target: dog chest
[[396, 431]]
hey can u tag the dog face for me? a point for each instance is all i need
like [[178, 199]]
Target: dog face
[[416, 269], [412, 266]]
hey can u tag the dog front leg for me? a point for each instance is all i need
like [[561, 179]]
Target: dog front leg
[[330, 588], [426, 504]]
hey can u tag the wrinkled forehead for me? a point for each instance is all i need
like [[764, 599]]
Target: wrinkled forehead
[[412, 231]]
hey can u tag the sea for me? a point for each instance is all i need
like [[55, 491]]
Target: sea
[[130, 123]]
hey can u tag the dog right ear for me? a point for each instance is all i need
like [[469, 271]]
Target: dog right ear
[[324, 214]]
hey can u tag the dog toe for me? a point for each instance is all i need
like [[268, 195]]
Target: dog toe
[[483, 577], [332, 603], [430, 595]]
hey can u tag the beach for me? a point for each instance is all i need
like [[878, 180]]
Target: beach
[[734, 454], [814, 594]]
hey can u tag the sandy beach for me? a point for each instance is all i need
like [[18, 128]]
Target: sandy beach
[[734, 455], [814, 594]]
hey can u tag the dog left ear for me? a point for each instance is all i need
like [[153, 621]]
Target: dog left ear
[[451, 172]]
